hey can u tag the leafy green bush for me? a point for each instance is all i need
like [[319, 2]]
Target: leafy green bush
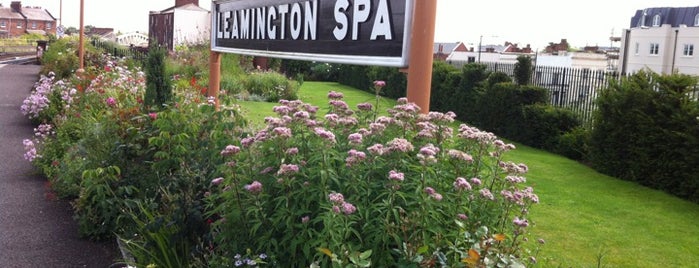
[[574, 144], [403, 190], [158, 84], [542, 125], [499, 108], [272, 86], [645, 130]]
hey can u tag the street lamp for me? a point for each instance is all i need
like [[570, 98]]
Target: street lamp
[[480, 42], [81, 50]]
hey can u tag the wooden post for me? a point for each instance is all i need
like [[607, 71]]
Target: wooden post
[[214, 76], [421, 48], [81, 50]]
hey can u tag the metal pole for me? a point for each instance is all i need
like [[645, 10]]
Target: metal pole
[[421, 48], [81, 51], [480, 41], [214, 76]]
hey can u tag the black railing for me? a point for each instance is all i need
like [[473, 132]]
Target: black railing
[[572, 88]]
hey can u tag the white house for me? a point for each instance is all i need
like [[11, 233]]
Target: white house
[[662, 40], [183, 24]]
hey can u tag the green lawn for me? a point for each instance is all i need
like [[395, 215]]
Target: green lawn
[[583, 215]]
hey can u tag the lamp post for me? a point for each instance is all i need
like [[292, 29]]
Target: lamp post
[[480, 41], [81, 51]]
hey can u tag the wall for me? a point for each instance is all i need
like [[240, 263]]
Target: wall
[[191, 27]]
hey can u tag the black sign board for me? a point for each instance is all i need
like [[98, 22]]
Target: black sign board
[[367, 32]]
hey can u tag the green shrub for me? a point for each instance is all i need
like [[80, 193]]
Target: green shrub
[[542, 125], [405, 193], [645, 130], [523, 70], [272, 86], [158, 84], [574, 144]]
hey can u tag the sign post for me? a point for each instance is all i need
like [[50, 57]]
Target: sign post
[[421, 49]]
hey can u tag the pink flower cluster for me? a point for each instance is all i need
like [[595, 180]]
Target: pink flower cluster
[[340, 205], [396, 176], [434, 194], [354, 157], [255, 187], [288, 169], [230, 150]]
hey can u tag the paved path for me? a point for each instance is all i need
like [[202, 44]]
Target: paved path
[[35, 229]]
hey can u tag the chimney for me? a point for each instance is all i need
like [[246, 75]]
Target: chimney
[[16, 6], [179, 3]]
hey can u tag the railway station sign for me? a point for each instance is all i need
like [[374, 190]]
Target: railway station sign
[[366, 32]]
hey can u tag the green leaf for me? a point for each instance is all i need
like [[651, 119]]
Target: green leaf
[[423, 249], [365, 255]]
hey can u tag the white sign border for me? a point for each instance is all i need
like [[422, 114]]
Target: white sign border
[[401, 62]]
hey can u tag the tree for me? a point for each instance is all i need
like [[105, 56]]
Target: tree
[[158, 86], [523, 70]]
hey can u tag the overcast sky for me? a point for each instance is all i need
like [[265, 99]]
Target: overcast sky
[[535, 22]]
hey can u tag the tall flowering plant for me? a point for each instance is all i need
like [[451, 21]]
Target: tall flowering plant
[[400, 189]]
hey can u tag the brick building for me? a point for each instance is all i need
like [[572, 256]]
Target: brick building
[[554, 48], [17, 20]]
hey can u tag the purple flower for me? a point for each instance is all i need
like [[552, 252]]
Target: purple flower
[[255, 187], [476, 181], [336, 209], [365, 106], [355, 138], [487, 194], [437, 196], [336, 198], [520, 222], [153, 115], [230, 150], [335, 95], [400, 145], [286, 169], [462, 217], [111, 102], [217, 181], [461, 184], [348, 208], [283, 132], [379, 83], [429, 190], [456, 154], [354, 157], [292, 151], [325, 134], [396, 176], [305, 219], [376, 149]]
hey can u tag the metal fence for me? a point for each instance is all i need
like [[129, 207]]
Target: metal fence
[[572, 88], [136, 53]]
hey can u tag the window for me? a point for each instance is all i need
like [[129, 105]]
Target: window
[[33, 24], [48, 26], [637, 47], [471, 59], [2, 24], [688, 50], [656, 21], [654, 48], [19, 25], [696, 20]]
